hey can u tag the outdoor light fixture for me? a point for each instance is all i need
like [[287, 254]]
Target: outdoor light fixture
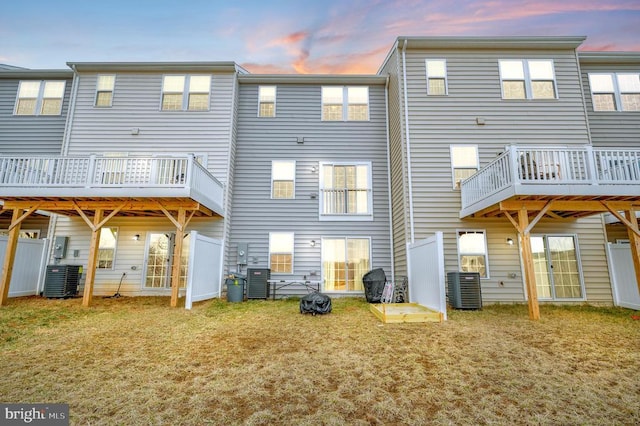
[[510, 241], [312, 243], [136, 237], [313, 169]]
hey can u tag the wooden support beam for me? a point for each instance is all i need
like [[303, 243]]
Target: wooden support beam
[[538, 217], [527, 260], [177, 256], [93, 258], [568, 205], [24, 216], [9, 256], [128, 205], [88, 221], [634, 240]]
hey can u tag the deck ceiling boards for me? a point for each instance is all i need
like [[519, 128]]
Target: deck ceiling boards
[[131, 207], [567, 207]]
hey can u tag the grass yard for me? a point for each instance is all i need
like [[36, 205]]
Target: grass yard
[[135, 361]]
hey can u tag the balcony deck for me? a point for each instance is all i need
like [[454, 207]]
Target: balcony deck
[[565, 176], [141, 182]]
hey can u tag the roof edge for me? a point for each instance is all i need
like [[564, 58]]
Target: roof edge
[[530, 42], [608, 57], [313, 78], [156, 66], [43, 73]]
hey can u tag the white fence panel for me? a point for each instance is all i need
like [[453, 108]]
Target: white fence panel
[[205, 269], [623, 278], [28, 266], [426, 274]]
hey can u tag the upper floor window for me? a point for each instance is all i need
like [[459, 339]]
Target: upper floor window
[[281, 252], [464, 162], [104, 90], [345, 103], [267, 101], [40, 98], [186, 92], [615, 91], [527, 79], [472, 252], [283, 174], [345, 191], [436, 77]]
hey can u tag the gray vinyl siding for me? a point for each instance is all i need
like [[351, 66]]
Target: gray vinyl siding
[[399, 194], [41, 134], [613, 129], [136, 104], [261, 140], [130, 254], [437, 122]]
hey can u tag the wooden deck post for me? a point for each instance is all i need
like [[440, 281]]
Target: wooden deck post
[[9, 257], [527, 259], [93, 257], [177, 257], [634, 239]]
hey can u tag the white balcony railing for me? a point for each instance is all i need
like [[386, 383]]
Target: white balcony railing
[[582, 170], [99, 175]]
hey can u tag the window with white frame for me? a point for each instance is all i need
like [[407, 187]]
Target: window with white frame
[[107, 247], [33, 234], [436, 77], [283, 175], [345, 103], [527, 79], [464, 162], [267, 101], [345, 191], [39, 98], [615, 91], [281, 252], [472, 252], [345, 260], [186, 92], [104, 90]]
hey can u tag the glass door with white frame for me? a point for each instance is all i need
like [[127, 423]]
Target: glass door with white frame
[[556, 266], [159, 260]]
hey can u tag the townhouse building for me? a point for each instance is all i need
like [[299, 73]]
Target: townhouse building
[[311, 198], [33, 110], [491, 144], [522, 151]]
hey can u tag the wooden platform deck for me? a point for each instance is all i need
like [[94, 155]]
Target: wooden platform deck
[[404, 312]]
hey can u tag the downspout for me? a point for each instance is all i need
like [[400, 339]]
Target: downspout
[[53, 219], [226, 242], [584, 100], [408, 138], [386, 105], [71, 112]]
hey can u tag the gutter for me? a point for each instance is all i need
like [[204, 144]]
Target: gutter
[[408, 139]]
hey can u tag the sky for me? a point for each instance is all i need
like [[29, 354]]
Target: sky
[[287, 36]]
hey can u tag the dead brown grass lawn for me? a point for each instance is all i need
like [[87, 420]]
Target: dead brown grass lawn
[[136, 361]]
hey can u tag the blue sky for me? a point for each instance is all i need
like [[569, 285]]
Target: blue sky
[[286, 36]]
